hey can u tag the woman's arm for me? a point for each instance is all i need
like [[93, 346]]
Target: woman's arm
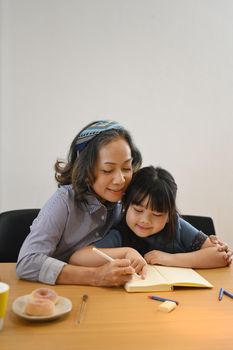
[[35, 260], [87, 257], [207, 257], [112, 274]]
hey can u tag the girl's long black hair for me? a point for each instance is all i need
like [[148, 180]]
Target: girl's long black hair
[[159, 186]]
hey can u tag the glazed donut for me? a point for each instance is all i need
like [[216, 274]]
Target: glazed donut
[[39, 307], [44, 293]]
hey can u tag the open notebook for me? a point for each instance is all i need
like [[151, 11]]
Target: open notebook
[[164, 278]]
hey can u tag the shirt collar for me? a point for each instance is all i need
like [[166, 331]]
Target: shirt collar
[[94, 204]]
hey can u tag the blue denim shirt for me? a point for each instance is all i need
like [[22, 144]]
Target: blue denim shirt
[[59, 230]]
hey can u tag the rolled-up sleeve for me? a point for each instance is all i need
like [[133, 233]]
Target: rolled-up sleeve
[[50, 270]]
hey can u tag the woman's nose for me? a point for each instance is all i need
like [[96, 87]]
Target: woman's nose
[[119, 178]]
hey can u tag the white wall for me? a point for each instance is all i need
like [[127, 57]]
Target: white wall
[[162, 68]]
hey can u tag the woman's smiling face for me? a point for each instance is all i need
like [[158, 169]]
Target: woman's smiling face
[[113, 170]]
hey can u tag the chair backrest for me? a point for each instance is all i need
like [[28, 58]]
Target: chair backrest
[[202, 223], [14, 228]]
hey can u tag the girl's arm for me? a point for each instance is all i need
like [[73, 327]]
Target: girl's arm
[[87, 257], [207, 257]]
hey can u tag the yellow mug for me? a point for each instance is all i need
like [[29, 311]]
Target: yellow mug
[[4, 292]]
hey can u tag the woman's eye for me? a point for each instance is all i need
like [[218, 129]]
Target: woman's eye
[[127, 169], [106, 171]]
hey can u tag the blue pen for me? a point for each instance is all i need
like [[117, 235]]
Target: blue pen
[[154, 297], [221, 291], [228, 293]]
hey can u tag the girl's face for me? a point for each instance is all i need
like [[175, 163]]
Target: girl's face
[[113, 170], [143, 221]]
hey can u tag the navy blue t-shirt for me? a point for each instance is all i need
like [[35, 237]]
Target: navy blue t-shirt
[[185, 239]]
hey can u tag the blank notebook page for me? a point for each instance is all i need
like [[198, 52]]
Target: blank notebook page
[[177, 275]]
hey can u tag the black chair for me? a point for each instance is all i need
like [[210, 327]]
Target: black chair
[[202, 223], [14, 228]]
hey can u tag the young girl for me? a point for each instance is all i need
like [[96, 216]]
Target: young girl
[[101, 161], [152, 227]]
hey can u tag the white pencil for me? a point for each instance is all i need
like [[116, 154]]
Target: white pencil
[[105, 256], [108, 258]]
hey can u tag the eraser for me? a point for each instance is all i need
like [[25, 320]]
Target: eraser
[[167, 306]]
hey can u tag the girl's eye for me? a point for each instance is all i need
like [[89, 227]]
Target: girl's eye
[[157, 214], [138, 210]]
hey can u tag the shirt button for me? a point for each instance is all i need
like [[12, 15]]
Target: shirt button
[[102, 217]]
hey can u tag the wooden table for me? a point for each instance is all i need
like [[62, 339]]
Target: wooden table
[[115, 319]]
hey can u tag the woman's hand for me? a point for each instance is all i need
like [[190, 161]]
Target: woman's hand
[[222, 246], [113, 274]]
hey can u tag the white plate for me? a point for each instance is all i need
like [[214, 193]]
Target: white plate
[[62, 307]]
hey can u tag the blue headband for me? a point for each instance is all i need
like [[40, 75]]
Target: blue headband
[[94, 129]]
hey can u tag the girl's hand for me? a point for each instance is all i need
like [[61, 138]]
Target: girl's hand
[[156, 257], [222, 246], [136, 261]]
